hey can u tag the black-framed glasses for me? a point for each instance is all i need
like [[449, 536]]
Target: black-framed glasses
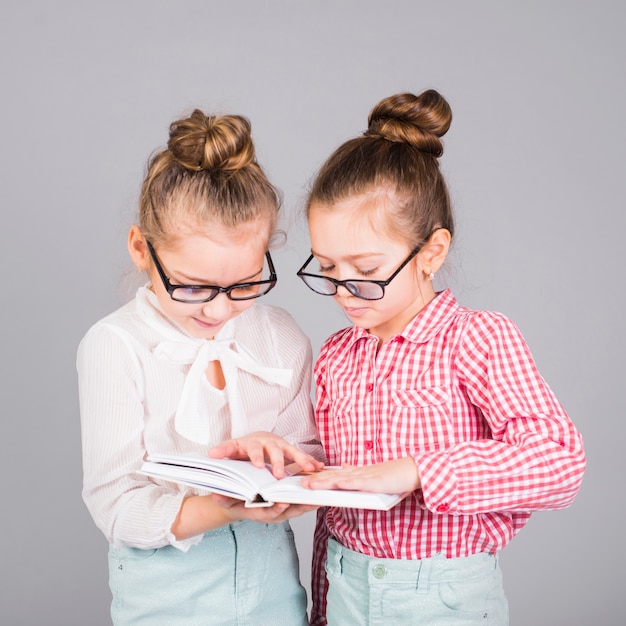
[[364, 289], [196, 294]]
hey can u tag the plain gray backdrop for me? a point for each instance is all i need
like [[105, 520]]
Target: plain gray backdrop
[[535, 165]]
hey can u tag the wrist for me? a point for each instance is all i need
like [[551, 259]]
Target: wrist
[[414, 471], [199, 514]]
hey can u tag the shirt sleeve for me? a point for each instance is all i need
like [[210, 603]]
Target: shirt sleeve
[[296, 421], [535, 459], [129, 509]]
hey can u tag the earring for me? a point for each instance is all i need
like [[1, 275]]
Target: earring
[[431, 276]]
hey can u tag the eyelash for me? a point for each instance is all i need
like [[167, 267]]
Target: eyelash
[[330, 268], [368, 272]]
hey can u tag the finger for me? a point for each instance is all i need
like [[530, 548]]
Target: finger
[[289, 452], [324, 480], [304, 460], [255, 452], [277, 461], [224, 501], [277, 451], [229, 449], [269, 515], [291, 511]]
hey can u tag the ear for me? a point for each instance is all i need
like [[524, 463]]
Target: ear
[[434, 253], [138, 249]]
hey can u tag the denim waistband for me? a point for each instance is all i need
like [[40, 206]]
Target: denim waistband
[[420, 572]]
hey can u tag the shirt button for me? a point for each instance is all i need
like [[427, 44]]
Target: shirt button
[[369, 445], [379, 571], [443, 508], [369, 387]]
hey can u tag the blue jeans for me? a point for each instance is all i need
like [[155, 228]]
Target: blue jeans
[[242, 574], [437, 591]]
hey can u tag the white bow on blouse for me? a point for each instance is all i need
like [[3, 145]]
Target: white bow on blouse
[[190, 421]]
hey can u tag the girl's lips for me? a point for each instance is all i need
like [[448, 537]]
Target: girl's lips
[[354, 311], [206, 324]]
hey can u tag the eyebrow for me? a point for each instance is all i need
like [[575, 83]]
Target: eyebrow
[[351, 257], [197, 281]]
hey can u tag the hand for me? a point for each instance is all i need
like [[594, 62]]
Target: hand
[[262, 448], [274, 514], [199, 514], [398, 476]]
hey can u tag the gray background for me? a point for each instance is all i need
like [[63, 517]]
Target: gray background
[[535, 163]]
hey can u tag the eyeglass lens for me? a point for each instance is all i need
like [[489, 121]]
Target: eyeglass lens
[[238, 292], [361, 289]]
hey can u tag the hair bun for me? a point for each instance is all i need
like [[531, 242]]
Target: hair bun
[[417, 120], [202, 142]]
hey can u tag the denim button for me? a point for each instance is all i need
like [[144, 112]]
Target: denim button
[[379, 571]]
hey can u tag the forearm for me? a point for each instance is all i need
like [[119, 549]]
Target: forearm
[[478, 477], [532, 458], [197, 515], [397, 476]]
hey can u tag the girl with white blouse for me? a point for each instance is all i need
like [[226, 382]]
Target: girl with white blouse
[[193, 360]]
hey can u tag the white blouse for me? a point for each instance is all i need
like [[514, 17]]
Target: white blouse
[[142, 389]]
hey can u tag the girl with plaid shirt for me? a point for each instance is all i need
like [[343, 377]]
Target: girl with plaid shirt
[[420, 395]]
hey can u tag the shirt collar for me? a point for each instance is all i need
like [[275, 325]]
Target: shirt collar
[[425, 325]]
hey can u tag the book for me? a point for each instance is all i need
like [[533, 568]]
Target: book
[[257, 486]]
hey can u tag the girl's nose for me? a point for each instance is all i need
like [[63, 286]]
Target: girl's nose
[[343, 292], [219, 308]]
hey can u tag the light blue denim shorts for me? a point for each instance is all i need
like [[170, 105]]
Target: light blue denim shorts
[[244, 574], [436, 591]]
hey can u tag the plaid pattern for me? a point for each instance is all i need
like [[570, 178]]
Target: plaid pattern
[[459, 391]]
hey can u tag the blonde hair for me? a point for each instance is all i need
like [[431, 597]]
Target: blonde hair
[[207, 172], [398, 154]]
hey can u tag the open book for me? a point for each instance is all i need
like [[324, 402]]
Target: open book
[[257, 486]]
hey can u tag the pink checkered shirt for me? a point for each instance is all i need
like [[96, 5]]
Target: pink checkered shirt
[[459, 391]]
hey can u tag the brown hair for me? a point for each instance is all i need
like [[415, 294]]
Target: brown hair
[[398, 155], [207, 172]]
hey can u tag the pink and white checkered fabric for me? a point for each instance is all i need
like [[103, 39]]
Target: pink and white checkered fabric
[[459, 391]]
